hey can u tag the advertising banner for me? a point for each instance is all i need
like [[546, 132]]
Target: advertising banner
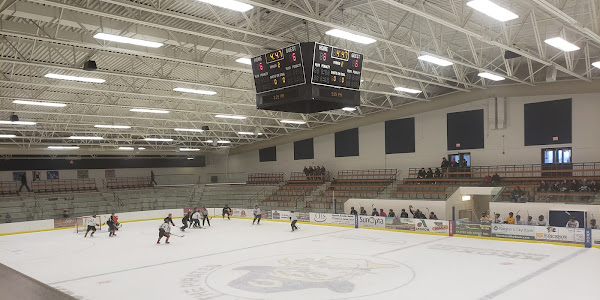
[[338, 219], [266, 214], [439, 226], [560, 234], [472, 228], [242, 212], [595, 237], [303, 216], [66, 222], [399, 223], [522, 232], [371, 221], [281, 215]]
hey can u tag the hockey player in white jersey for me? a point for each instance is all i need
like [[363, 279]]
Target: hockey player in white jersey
[[257, 215], [164, 230], [91, 225], [196, 219], [294, 219]]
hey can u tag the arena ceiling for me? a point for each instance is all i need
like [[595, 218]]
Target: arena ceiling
[[201, 43]]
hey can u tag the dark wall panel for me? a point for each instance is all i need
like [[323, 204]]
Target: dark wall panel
[[548, 123], [267, 154], [465, 130], [65, 164], [304, 149], [346, 143], [400, 136]]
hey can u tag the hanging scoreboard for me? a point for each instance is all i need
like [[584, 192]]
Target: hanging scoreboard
[[307, 78]]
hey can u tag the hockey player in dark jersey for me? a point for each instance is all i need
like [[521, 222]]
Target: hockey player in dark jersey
[[226, 211], [185, 221], [112, 225], [169, 219]]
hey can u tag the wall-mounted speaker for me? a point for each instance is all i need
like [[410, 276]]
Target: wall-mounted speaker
[[89, 65]]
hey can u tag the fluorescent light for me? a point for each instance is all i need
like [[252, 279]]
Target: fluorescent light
[[74, 137], [435, 60], [293, 122], [155, 111], [17, 122], [126, 40], [348, 109], [201, 92], [224, 142], [188, 129], [230, 117], [127, 148], [63, 147], [491, 76], [244, 60], [113, 126], [407, 90], [141, 148], [492, 10], [74, 78], [230, 4], [188, 149], [466, 197], [596, 64], [561, 44], [190, 158], [208, 141], [249, 133], [7, 136], [158, 140], [350, 36], [51, 104]]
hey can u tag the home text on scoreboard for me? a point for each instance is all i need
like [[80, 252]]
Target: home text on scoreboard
[[278, 69]]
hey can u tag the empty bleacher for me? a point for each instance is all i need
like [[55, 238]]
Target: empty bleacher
[[265, 178], [64, 185], [8, 188], [291, 194], [121, 183]]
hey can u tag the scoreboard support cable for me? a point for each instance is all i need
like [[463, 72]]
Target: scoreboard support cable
[[285, 81]]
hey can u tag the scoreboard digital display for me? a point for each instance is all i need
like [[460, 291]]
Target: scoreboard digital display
[[306, 78]]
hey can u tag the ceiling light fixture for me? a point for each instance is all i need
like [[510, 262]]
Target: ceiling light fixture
[[231, 117], [113, 126], [189, 130], [74, 78], [17, 123], [208, 141], [435, 60], [224, 142], [126, 40], [349, 109], [244, 60], [492, 10], [7, 136], [561, 44], [491, 76], [127, 148], [407, 90], [350, 36], [188, 149], [158, 140], [230, 4], [74, 137], [141, 148], [201, 92], [63, 147], [190, 158], [249, 133], [51, 104], [154, 111], [293, 122], [596, 64]]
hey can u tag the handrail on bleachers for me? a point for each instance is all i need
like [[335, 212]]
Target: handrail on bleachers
[[117, 183], [526, 170], [378, 175], [265, 178], [300, 177], [64, 185], [8, 188]]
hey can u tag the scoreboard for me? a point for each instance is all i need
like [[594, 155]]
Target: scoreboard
[[307, 78]]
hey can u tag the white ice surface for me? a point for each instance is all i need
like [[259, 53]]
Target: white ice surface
[[234, 260]]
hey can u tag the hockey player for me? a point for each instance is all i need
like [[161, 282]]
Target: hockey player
[[205, 216], [257, 215], [169, 219], [91, 225], [112, 225], [164, 230], [196, 219], [185, 220], [226, 211], [294, 219]]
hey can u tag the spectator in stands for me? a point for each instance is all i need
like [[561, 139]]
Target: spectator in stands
[[593, 224], [516, 194], [65, 213], [403, 213], [305, 171], [497, 218], [323, 171], [584, 187], [24, 183], [429, 173], [152, 179], [421, 174], [363, 212], [530, 221], [375, 213], [417, 214], [485, 218], [572, 223], [353, 211], [555, 187], [391, 213], [496, 179], [487, 180], [382, 213], [333, 181], [574, 186], [593, 186], [541, 221], [520, 221], [8, 218], [437, 173], [445, 165], [432, 216], [543, 187], [510, 219]]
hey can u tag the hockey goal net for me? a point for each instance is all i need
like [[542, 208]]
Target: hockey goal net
[[81, 223]]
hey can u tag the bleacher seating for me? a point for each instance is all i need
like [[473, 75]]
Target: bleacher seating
[[292, 193], [119, 183], [8, 188], [64, 185], [265, 178]]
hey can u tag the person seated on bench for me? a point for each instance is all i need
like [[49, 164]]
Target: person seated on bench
[[333, 181], [496, 179], [516, 194], [421, 174], [593, 224], [487, 180], [541, 221], [437, 173], [429, 173], [543, 187], [555, 187], [593, 186]]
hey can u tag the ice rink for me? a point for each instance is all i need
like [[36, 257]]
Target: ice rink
[[234, 260]]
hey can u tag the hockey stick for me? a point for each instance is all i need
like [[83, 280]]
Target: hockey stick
[[177, 235]]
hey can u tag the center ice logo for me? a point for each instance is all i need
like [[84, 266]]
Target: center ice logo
[[334, 276]]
